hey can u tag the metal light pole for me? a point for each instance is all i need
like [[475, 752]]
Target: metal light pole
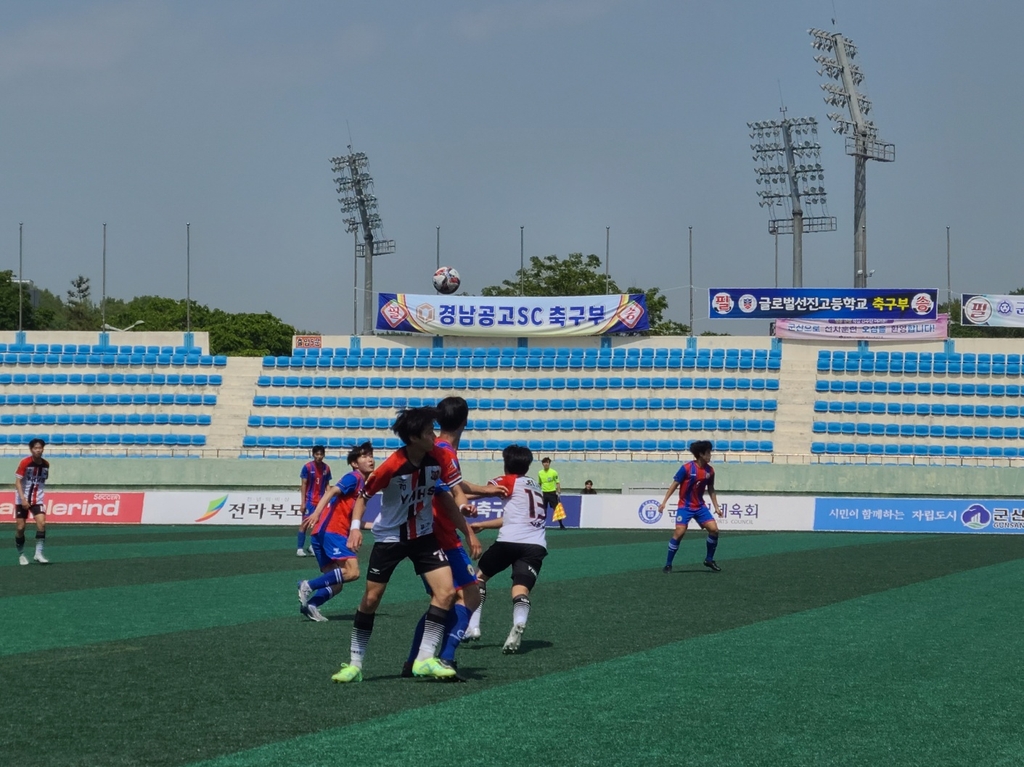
[[522, 264], [776, 258], [691, 279], [788, 154], [103, 298], [607, 256], [862, 141], [356, 186], [188, 277], [949, 276], [355, 282], [438, 248], [21, 274]]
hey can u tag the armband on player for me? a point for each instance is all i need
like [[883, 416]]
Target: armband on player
[[356, 525]]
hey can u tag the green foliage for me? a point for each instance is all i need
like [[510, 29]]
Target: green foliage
[[249, 335], [9, 304], [579, 275], [82, 313]]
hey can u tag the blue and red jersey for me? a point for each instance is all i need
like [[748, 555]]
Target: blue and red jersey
[[318, 479], [337, 517], [693, 481], [444, 529]]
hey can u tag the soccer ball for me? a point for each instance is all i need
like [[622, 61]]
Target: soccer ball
[[446, 280]]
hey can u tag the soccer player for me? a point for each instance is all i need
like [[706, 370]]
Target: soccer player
[[452, 417], [692, 479], [521, 543], [316, 478], [29, 490], [328, 528], [550, 486], [405, 530]]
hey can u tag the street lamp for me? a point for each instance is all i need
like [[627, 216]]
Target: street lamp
[[788, 153], [862, 140], [135, 324], [355, 187]]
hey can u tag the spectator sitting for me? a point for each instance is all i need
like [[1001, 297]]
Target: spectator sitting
[[588, 488]]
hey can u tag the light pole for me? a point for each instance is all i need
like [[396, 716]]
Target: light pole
[[356, 186], [776, 258], [522, 264], [103, 298], [691, 279], [949, 276], [862, 141], [188, 278], [788, 153], [438, 248], [607, 256], [21, 274]]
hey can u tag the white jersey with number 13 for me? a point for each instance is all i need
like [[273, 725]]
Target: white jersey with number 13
[[523, 511]]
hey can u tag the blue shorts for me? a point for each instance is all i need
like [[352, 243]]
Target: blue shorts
[[330, 547], [308, 510], [463, 572], [702, 515]]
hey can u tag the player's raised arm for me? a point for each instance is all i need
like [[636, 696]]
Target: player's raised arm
[[483, 491]]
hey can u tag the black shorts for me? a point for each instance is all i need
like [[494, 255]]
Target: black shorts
[[550, 501], [425, 554], [20, 512], [524, 558]]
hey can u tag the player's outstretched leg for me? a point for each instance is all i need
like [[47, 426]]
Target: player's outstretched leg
[[473, 630], [362, 628]]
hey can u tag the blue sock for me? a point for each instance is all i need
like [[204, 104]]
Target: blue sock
[[417, 638], [330, 578], [673, 547], [322, 595], [453, 636], [301, 541], [712, 545]]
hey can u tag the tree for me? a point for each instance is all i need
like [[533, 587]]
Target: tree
[[81, 312], [249, 335], [579, 275], [9, 290]]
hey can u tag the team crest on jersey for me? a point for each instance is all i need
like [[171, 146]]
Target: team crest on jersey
[[649, 512]]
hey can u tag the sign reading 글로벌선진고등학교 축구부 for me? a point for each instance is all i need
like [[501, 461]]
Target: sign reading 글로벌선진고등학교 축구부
[[855, 304], [991, 310], [517, 316]]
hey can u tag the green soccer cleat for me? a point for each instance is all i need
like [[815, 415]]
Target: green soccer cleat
[[348, 673], [433, 668]]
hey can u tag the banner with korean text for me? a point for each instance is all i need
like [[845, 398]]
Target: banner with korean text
[[741, 512], [919, 515], [876, 330], [504, 316], [992, 310], [854, 304]]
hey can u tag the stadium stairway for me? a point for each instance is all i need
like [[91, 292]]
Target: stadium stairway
[[233, 406], [796, 399]]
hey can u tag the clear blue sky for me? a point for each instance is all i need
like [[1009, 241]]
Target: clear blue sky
[[562, 116]]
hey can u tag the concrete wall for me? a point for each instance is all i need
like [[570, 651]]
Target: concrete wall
[[131, 338]]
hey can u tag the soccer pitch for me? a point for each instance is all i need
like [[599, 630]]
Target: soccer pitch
[[184, 646]]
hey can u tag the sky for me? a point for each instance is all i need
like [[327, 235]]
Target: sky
[[569, 119]]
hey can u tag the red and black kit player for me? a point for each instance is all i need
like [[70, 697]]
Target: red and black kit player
[[29, 492]]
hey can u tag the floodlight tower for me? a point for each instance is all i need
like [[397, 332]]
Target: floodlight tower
[[862, 140], [788, 154], [356, 187]]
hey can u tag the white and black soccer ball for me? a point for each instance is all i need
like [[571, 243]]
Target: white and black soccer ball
[[446, 280]]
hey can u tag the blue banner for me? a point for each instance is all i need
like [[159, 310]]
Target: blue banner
[[501, 316], [822, 304], [919, 515], [490, 508]]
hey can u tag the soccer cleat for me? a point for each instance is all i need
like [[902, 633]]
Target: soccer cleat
[[434, 668], [313, 613], [40, 558], [300, 553], [471, 634], [348, 673], [710, 564], [667, 569], [515, 636], [305, 592], [22, 559]]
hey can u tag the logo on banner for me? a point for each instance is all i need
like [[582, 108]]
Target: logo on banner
[[631, 314], [747, 303], [214, 506], [722, 302], [976, 517], [1005, 308], [649, 512], [922, 304], [394, 313], [978, 310], [425, 313]]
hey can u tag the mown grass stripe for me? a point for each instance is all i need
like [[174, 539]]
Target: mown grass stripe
[[43, 621], [235, 687], [892, 678]]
